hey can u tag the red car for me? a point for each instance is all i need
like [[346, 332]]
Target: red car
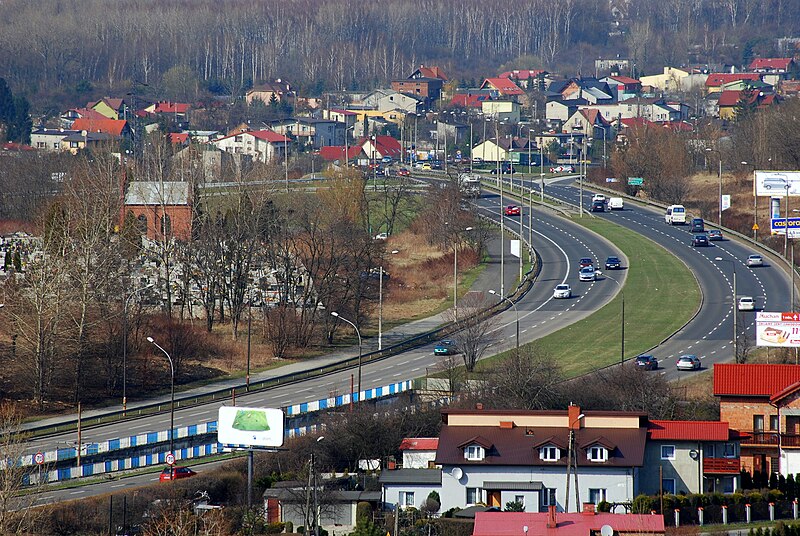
[[403, 172], [512, 210], [175, 473]]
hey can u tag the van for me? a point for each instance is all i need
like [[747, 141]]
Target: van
[[697, 225], [615, 203], [676, 215]]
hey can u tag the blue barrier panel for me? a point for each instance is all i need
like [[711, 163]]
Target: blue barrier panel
[[148, 459], [135, 461], [65, 454], [64, 474], [152, 437], [339, 400], [392, 388], [113, 444], [134, 440], [192, 430], [88, 470], [212, 427], [323, 404], [379, 391], [304, 407], [92, 449], [108, 466]]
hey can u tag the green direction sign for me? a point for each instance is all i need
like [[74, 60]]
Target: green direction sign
[[635, 181]]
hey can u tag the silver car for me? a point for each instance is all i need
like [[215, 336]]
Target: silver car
[[587, 273], [688, 362], [562, 291], [755, 260]]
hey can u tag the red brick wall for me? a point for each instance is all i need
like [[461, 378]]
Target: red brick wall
[[180, 219]]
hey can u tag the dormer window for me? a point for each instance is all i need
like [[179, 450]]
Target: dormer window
[[549, 453], [474, 453], [597, 454]]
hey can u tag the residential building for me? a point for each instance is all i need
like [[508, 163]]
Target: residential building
[[310, 132], [729, 101], [622, 87], [78, 140], [431, 71], [427, 90], [773, 65], [501, 110], [108, 107], [277, 91], [671, 80], [552, 523], [260, 145], [114, 127], [558, 111], [715, 81], [589, 122], [500, 456], [68, 118], [502, 88], [163, 210], [409, 488], [470, 98], [527, 79], [419, 452], [378, 147], [174, 111], [690, 457], [762, 401], [400, 101], [49, 139]]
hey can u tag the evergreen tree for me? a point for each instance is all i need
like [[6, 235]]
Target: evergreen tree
[[773, 481], [6, 102], [19, 128], [791, 490]]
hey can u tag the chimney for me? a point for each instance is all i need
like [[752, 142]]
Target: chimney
[[573, 414], [479, 406], [588, 509], [551, 517]]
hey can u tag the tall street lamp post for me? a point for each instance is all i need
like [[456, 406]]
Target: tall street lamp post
[[455, 272], [380, 304], [733, 308], [337, 315], [514, 305], [622, 326], [171, 393], [125, 344]]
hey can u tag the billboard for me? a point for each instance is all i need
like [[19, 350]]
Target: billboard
[[777, 183], [778, 329], [778, 226], [250, 427]]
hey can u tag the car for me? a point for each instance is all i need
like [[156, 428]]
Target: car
[[688, 362], [512, 210], [700, 240], [403, 172], [562, 169], [613, 263], [386, 160], [715, 234], [585, 261], [587, 273], [175, 472], [381, 236], [598, 197], [436, 165], [755, 260], [598, 206], [646, 362], [697, 226], [746, 303], [426, 166], [446, 347], [615, 203], [562, 291]]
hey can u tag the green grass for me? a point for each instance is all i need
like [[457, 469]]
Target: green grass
[[661, 295]]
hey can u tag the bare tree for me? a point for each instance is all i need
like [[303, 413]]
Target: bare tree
[[530, 379], [473, 327]]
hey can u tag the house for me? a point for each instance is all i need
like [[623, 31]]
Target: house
[[261, 145], [553, 523], [502, 110], [502, 87], [409, 488], [690, 457], [715, 81], [558, 111], [341, 116], [772, 65], [762, 401], [428, 72], [499, 456], [114, 127], [69, 117], [378, 147], [588, 121], [729, 101], [175, 111], [310, 132], [108, 107], [336, 153], [277, 91], [78, 140], [427, 90], [622, 87], [49, 139], [163, 210], [471, 98], [419, 452], [400, 101], [527, 79], [671, 80]]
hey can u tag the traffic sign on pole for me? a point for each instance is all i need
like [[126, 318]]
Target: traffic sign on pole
[[170, 458], [38, 458], [635, 181]]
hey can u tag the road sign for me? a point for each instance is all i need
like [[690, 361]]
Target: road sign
[[755, 227], [635, 181], [725, 202], [38, 458], [611, 179], [170, 458]]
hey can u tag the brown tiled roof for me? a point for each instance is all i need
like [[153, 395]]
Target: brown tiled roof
[[518, 447]]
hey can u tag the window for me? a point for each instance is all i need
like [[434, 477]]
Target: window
[[727, 484], [473, 495], [407, 498], [549, 454], [520, 499], [474, 452], [758, 423], [141, 224], [729, 450], [773, 422], [597, 454], [667, 452], [709, 450], [668, 485], [548, 496], [597, 495]]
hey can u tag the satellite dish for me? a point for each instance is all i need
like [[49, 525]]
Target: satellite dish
[[693, 454], [457, 473], [606, 530]]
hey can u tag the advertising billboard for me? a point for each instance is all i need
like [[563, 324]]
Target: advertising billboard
[[777, 183], [778, 329], [250, 427]]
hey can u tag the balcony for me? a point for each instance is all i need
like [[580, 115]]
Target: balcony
[[721, 466], [771, 438]]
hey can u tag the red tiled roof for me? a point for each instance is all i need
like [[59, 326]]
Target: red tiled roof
[[14, 146], [332, 153], [386, 145], [171, 108], [269, 136], [178, 137], [729, 98], [504, 85], [419, 443], [88, 113], [753, 379], [786, 391], [625, 80], [468, 100], [636, 122], [718, 79], [688, 430], [105, 125], [770, 63], [572, 524], [432, 72]]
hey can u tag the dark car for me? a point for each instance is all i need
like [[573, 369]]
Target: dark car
[[613, 263], [446, 347], [697, 226], [585, 261], [598, 206], [700, 240], [436, 165], [646, 362], [175, 473]]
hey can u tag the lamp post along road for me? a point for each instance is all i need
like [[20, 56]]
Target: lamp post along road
[[516, 311], [622, 326], [380, 304], [733, 309], [337, 315], [171, 393], [125, 345]]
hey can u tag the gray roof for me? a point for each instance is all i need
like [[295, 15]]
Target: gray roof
[[156, 193], [513, 486], [296, 495], [469, 512], [412, 476]]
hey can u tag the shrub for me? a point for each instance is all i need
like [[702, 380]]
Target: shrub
[[514, 506], [643, 504], [604, 506], [363, 512], [289, 526]]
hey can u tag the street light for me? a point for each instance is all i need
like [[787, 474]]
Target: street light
[[733, 307], [380, 304], [570, 461], [337, 315], [125, 345], [622, 327], [172, 392], [493, 293], [315, 516], [719, 200]]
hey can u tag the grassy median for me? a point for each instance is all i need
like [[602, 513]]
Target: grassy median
[[661, 295]]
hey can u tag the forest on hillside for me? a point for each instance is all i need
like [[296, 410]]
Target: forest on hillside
[[56, 52]]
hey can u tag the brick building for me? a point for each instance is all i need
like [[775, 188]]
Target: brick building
[[162, 209], [763, 401]]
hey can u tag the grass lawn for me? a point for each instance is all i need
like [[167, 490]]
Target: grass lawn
[[661, 295]]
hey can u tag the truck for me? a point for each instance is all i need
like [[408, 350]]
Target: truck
[[615, 203], [470, 184]]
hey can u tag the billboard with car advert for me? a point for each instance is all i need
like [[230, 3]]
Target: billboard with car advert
[[778, 329], [250, 427], [777, 183]]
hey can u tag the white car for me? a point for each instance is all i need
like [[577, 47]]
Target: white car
[[746, 303], [562, 291], [755, 260], [381, 236], [598, 197], [587, 273], [688, 362], [562, 169]]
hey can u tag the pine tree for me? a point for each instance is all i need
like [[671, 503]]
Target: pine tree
[[19, 128], [6, 102]]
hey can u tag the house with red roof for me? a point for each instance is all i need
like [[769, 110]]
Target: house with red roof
[[502, 87], [261, 145], [589, 122], [175, 111], [108, 107], [473, 98], [691, 457], [622, 87], [277, 91], [729, 100], [114, 127], [430, 71], [336, 153], [377, 147], [762, 401], [525, 78], [69, 117], [772, 65], [715, 81], [419, 452], [552, 523]]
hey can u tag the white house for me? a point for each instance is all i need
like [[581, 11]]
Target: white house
[[261, 145], [419, 452]]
